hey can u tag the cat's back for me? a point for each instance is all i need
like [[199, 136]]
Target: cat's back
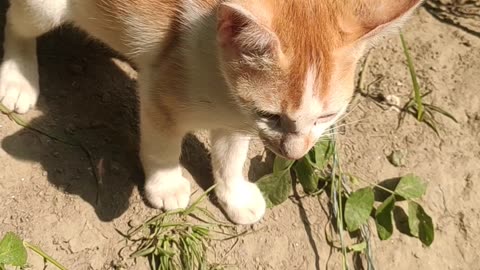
[[137, 26]]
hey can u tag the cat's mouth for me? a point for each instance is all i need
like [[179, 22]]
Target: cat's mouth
[[275, 149]]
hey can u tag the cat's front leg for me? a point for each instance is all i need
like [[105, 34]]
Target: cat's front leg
[[242, 201], [19, 88], [160, 149]]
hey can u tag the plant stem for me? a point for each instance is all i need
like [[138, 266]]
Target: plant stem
[[337, 192], [377, 186], [44, 255]]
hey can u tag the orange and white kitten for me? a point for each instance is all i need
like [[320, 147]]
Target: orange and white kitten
[[280, 69]]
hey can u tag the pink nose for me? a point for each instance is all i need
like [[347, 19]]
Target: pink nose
[[295, 147]]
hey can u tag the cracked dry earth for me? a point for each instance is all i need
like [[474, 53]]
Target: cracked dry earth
[[49, 193]]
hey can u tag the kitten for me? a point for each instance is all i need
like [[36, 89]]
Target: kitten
[[280, 69]]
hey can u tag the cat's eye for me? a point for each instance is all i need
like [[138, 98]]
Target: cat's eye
[[326, 118], [268, 116]]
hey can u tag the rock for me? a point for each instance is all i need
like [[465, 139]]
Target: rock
[[398, 158]]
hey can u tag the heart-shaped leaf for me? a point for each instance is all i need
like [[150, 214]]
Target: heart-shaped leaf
[[275, 188], [323, 153], [12, 251], [410, 187], [383, 218], [306, 176], [420, 223], [358, 208], [280, 165]]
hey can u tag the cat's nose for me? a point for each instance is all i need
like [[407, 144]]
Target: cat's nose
[[295, 147]]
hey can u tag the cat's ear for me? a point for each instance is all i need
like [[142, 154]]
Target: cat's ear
[[373, 18], [241, 32]]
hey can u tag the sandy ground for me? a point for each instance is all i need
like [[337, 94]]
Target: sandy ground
[[48, 190]]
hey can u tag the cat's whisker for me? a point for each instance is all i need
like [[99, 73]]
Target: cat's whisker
[[346, 124], [349, 112]]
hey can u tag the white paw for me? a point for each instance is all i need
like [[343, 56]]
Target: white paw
[[168, 194], [242, 201], [18, 90]]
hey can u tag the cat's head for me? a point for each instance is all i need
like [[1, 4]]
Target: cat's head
[[290, 64]]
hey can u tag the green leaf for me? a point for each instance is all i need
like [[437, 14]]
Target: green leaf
[[275, 188], [413, 75], [358, 208], [410, 187], [306, 176], [12, 251], [383, 218], [420, 223], [442, 111], [323, 153], [360, 247], [280, 165]]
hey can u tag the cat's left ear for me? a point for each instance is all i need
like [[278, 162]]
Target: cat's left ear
[[373, 18], [244, 32]]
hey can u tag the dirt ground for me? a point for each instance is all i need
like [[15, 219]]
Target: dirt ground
[[49, 193]]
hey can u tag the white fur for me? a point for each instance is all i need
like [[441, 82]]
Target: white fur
[[241, 199], [165, 187], [19, 74], [26, 20]]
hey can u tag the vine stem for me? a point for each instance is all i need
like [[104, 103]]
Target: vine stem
[[40, 252], [378, 186], [337, 192]]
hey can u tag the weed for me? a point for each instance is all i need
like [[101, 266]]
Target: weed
[[423, 112], [180, 239], [320, 172], [13, 252]]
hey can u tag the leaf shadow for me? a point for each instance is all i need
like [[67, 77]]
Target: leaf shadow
[[380, 193], [401, 220]]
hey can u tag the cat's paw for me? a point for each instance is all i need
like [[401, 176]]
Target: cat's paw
[[242, 201], [168, 194], [18, 92]]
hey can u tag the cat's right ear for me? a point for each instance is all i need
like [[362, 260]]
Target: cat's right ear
[[372, 18], [241, 33]]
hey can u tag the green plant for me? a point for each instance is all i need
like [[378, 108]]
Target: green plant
[[180, 239], [320, 172], [422, 111], [13, 252]]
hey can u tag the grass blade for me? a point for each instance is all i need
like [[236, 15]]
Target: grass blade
[[413, 75]]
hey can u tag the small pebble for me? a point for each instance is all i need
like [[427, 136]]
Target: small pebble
[[397, 158]]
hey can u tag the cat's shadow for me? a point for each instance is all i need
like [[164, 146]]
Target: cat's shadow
[[86, 97]]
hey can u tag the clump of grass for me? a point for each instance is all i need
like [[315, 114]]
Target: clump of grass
[[180, 239], [416, 106]]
